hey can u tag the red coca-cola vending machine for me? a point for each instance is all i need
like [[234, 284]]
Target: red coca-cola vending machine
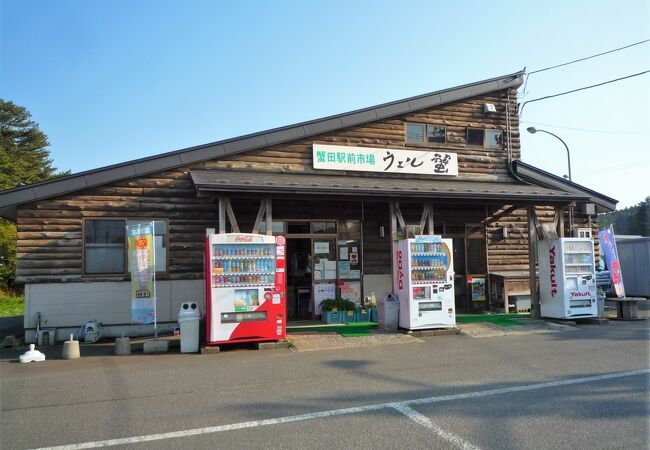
[[245, 288]]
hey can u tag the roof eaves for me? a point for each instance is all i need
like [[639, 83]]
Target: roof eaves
[[543, 177], [176, 158]]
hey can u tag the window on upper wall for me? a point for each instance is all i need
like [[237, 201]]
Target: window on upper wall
[[420, 133], [105, 245], [485, 138]]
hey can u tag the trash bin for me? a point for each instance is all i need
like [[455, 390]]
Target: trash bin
[[188, 318], [388, 312]]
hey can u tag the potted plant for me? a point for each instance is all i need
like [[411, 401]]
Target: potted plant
[[330, 311], [348, 311], [371, 306]]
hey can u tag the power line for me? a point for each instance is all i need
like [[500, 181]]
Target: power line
[[521, 110], [585, 129], [588, 57], [581, 59]]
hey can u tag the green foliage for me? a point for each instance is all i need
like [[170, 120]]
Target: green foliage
[[7, 255], [341, 305], [24, 159], [12, 306], [632, 220]]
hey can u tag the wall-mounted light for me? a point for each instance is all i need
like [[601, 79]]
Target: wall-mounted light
[[489, 108], [382, 231]]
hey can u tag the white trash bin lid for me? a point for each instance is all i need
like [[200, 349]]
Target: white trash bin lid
[[189, 311]]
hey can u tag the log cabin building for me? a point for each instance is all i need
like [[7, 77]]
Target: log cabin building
[[445, 163]]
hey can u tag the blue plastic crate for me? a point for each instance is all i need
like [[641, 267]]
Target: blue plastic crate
[[348, 316], [363, 315], [374, 316], [330, 317]]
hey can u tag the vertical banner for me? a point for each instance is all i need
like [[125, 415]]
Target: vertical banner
[[608, 245], [141, 261]]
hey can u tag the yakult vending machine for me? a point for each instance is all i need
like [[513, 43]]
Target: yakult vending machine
[[424, 282], [245, 288], [567, 278]]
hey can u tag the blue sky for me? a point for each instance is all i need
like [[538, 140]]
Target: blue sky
[[111, 81]]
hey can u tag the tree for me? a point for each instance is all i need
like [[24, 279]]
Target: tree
[[24, 159], [632, 220]]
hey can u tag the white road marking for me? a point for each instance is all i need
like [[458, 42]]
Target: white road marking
[[339, 412], [424, 420]]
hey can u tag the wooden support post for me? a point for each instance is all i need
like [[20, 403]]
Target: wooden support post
[[400, 220], [231, 216], [260, 216], [222, 215], [393, 239], [425, 219], [535, 312], [269, 217]]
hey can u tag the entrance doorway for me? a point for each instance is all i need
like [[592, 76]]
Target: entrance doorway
[[299, 278]]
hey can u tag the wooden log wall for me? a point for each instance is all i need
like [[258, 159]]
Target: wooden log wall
[[474, 162], [50, 231], [511, 253]]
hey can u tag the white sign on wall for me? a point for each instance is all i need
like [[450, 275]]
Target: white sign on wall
[[387, 160]]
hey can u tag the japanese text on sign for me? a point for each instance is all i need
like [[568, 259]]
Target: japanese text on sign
[[388, 160]]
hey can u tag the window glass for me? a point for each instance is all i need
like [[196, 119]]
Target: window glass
[[323, 227], [160, 242], [493, 138], [349, 228], [298, 227], [104, 246], [475, 137], [277, 227], [415, 132], [436, 133]]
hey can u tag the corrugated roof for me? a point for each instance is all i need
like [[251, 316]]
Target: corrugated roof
[[542, 178], [25, 194], [283, 183]]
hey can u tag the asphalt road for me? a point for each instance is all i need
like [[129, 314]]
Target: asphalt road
[[579, 389]]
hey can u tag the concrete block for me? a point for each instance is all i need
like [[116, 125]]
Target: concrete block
[[266, 345], [156, 346], [210, 350], [71, 350], [10, 341], [122, 346]]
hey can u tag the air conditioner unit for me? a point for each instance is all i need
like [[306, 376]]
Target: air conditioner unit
[[588, 208]]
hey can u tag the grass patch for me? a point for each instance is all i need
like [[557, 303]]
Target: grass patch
[[12, 306], [504, 320]]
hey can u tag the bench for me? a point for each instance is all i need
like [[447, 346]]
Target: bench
[[626, 307]]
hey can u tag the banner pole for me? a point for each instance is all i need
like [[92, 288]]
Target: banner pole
[[155, 298]]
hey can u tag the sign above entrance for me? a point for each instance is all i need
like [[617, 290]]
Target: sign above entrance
[[385, 160]]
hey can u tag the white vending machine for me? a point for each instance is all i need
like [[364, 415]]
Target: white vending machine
[[567, 278], [424, 282]]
